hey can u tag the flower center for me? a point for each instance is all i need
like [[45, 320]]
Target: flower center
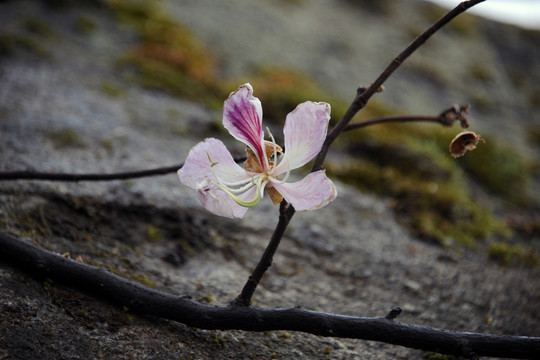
[[260, 179]]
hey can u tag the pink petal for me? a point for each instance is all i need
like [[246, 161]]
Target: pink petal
[[312, 192], [197, 174], [197, 166], [305, 130], [219, 203], [242, 116]]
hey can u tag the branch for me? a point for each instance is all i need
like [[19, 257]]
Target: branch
[[446, 118], [363, 95], [138, 299], [31, 175]]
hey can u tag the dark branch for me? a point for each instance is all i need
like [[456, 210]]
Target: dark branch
[[31, 175], [244, 299], [446, 118], [142, 300]]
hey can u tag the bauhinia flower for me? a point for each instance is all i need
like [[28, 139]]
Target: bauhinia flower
[[227, 189]]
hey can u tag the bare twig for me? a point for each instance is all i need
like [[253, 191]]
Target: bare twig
[[142, 300], [446, 118], [33, 175]]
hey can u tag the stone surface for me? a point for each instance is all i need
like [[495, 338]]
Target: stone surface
[[352, 257]]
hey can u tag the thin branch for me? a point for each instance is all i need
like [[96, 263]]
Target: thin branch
[[244, 299], [138, 299], [31, 175], [363, 95], [446, 118]]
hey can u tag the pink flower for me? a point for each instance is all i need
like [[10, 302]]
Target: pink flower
[[227, 189]]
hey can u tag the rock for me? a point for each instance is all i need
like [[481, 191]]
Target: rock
[[351, 257]]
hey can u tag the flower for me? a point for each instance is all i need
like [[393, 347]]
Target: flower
[[466, 140], [227, 189]]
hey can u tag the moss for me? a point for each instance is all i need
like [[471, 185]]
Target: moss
[[111, 90], [281, 90], [107, 143], [513, 255], [429, 355], [480, 72], [38, 27], [65, 138], [152, 234], [143, 280], [84, 24], [11, 44], [428, 188], [464, 25], [499, 169], [206, 299], [168, 56]]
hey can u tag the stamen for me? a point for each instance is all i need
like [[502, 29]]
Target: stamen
[[241, 202], [275, 146], [275, 179]]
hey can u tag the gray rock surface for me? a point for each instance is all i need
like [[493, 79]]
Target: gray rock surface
[[351, 257]]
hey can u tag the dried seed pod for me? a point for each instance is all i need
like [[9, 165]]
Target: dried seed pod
[[464, 141]]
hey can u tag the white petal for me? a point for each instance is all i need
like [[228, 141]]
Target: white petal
[[219, 203], [312, 192], [197, 166], [305, 131]]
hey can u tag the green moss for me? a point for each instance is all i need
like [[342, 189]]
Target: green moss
[[111, 90], [513, 255], [499, 168], [142, 280], [168, 56], [464, 25], [429, 355], [281, 90], [38, 27], [84, 24], [65, 138], [107, 143], [480, 72], [11, 44], [152, 234], [428, 188]]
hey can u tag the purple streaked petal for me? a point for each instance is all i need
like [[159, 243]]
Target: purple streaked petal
[[312, 192], [305, 130], [197, 166], [242, 116]]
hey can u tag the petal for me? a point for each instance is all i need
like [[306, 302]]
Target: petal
[[219, 203], [312, 192], [197, 166], [242, 116], [197, 174], [305, 130]]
